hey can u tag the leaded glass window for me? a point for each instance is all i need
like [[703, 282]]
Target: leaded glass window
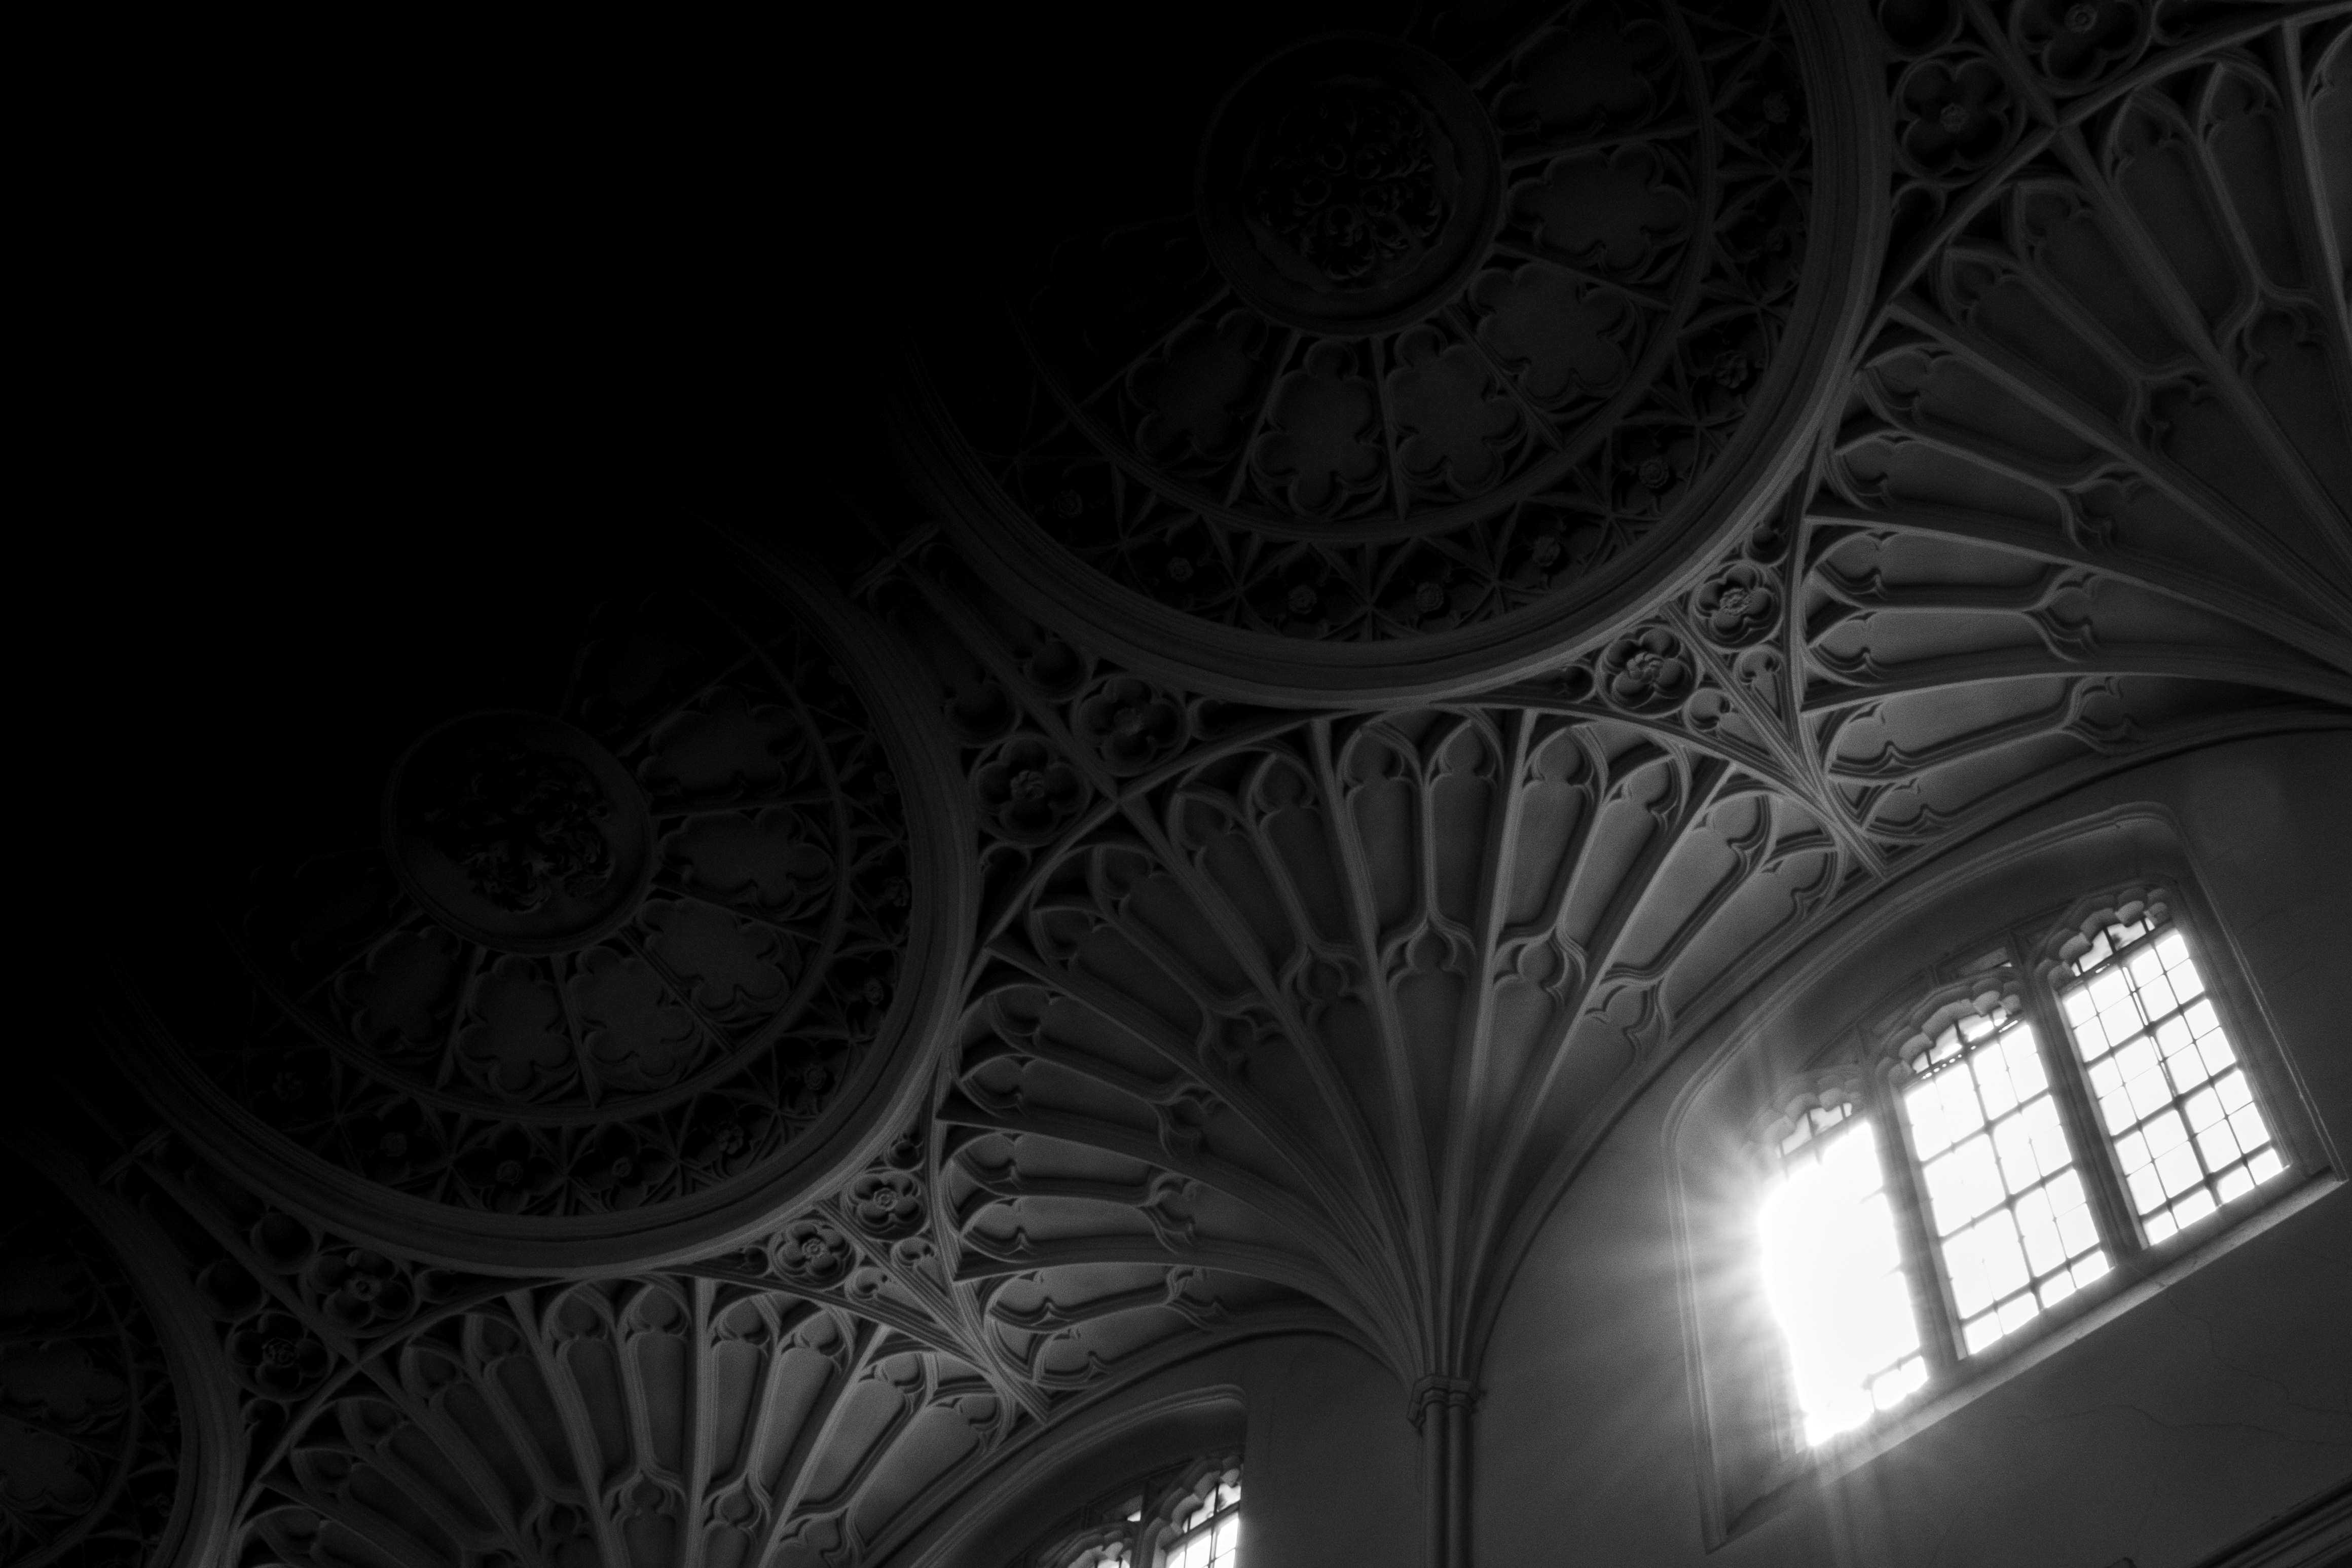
[[2056, 1110], [1209, 1536], [2179, 1108], [1186, 1515], [2014, 1226]]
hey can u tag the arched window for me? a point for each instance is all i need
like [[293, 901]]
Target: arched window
[[1183, 1516], [2057, 1114], [1209, 1535], [2179, 1109]]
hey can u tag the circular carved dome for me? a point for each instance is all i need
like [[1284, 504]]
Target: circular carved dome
[[89, 1424], [1457, 343], [632, 946]]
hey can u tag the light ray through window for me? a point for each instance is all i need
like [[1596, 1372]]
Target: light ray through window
[[1835, 1277]]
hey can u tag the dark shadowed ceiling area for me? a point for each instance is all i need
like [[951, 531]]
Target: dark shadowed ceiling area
[[802, 748]]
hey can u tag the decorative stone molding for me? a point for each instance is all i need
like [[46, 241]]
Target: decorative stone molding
[[1990, 995], [1434, 1393], [1822, 1089], [2076, 931]]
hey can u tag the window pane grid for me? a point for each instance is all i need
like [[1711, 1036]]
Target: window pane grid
[[2011, 1215], [1834, 1272], [2175, 1099], [1210, 1535]]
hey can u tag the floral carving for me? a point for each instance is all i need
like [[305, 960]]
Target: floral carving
[[728, 1137], [618, 1166], [1653, 467], [1129, 723], [523, 824], [508, 1172], [1955, 115], [1646, 672], [361, 1290], [1026, 792], [812, 1253], [886, 1203], [276, 1357], [2077, 42], [1726, 360], [1740, 603], [1349, 178]]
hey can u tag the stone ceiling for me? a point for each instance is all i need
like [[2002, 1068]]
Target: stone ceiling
[[1385, 624]]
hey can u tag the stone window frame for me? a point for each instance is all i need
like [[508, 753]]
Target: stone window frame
[[1762, 1467], [1128, 1526]]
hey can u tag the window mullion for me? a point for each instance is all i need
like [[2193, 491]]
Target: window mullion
[[1940, 1325], [2079, 1113]]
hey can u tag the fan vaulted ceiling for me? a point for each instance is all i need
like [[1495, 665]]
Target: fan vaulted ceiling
[[1352, 671]]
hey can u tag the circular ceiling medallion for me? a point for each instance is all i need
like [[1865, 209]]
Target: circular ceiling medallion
[[519, 831], [90, 1419], [1455, 348], [1347, 183], [625, 959]]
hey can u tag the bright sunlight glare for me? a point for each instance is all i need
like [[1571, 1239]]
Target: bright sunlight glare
[[1835, 1281]]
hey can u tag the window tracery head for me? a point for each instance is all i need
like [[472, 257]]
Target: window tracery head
[[2174, 1096], [1186, 1515]]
